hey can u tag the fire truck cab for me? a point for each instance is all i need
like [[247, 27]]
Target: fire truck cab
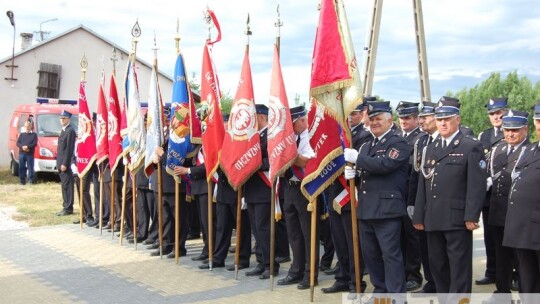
[[45, 116]]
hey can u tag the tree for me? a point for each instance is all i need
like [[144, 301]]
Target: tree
[[521, 94]]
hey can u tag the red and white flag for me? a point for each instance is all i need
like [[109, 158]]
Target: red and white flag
[[102, 125], [242, 142], [113, 131], [86, 138], [282, 149], [212, 127]]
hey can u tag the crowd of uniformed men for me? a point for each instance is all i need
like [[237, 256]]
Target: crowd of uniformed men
[[421, 189]]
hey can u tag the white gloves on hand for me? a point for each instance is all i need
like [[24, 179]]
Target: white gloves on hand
[[155, 159], [125, 161], [244, 204], [349, 172], [74, 169], [410, 211], [489, 183], [350, 155]]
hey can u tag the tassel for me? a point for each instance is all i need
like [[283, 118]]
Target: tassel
[[310, 207]]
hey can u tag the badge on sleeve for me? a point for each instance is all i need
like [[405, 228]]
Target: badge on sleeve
[[482, 164], [394, 153]]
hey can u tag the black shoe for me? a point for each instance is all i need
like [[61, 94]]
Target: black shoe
[[132, 240], [485, 281], [240, 267], [78, 221], [107, 226], [156, 253], [91, 222], [288, 280], [116, 227], [338, 286], [153, 246], [305, 284], [64, 213], [324, 267], [282, 259], [331, 271], [256, 272], [148, 242], [214, 265], [266, 274], [200, 257], [412, 285]]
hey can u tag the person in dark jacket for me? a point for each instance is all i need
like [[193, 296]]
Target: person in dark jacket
[[449, 199], [382, 165], [66, 148], [27, 142], [522, 225]]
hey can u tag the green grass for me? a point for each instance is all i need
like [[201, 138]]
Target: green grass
[[36, 204]]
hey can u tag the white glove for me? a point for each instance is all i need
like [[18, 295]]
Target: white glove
[[74, 169], [350, 172], [489, 183], [244, 205], [350, 155], [125, 161], [155, 159], [410, 211]]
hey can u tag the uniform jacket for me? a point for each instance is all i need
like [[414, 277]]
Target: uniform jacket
[[199, 185], [502, 165], [66, 148], [455, 192], [255, 189], [383, 177], [489, 140], [225, 193], [522, 226], [359, 136], [168, 185]]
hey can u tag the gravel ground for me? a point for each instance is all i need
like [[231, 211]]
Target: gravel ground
[[6, 219]]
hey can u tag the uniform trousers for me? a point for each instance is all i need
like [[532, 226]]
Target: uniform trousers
[[450, 259], [87, 200], [66, 179], [259, 218], [381, 248], [145, 212], [226, 221], [411, 250], [298, 221], [202, 205], [529, 271]]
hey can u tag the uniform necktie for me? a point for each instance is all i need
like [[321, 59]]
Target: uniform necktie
[[510, 150], [375, 141], [443, 143]]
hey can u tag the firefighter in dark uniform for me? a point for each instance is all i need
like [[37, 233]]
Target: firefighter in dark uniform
[[429, 134], [66, 148], [522, 226], [168, 195], [449, 200], [257, 195], [297, 218], [146, 209], [226, 205], [340, 216], [383, 168], [408, 120], [496, 108], [502, 162]]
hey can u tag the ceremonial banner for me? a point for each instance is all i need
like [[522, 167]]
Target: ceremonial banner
[[102, 124], [86, 139], [136, 133], [180, 118], [329, 162], [282, 150], [123, 112], [113, 131], [335, 79], [154, 122], [211, 120], [242, 142]]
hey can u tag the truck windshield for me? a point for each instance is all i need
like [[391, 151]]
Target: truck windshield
[[49, 125]]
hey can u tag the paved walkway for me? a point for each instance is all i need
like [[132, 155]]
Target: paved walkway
[[64, 264]]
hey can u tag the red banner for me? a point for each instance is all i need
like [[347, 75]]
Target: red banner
[[242, 142], [114, 125], [282, 149], [213, 130], [102, 140], [86, 139]]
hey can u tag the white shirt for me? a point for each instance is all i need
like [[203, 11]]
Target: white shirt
[[449, 139]]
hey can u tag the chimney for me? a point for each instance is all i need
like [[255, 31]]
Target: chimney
[[26, 40]]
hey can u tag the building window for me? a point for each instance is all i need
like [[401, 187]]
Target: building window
[[49, 80]]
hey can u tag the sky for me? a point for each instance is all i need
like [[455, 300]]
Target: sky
[[466, 39]]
